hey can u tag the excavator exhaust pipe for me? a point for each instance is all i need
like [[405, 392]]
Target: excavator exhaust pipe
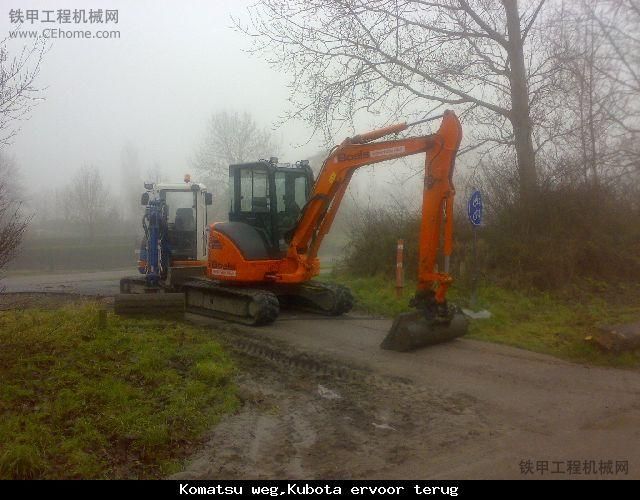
[[412, 331]]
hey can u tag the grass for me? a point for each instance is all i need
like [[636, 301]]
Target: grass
[[84, 399], [551, 324]]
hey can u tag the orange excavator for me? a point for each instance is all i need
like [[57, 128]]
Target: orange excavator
[[267, 254]]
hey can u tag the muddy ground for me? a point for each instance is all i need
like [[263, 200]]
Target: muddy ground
[[309, 418], [321, 400]]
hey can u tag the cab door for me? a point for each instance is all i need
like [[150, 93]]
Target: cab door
[[292, 192], [202, 224], [253, 199], [182, 222]]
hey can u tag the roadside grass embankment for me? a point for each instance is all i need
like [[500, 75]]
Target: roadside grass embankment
[[557, 324], [125, 398]]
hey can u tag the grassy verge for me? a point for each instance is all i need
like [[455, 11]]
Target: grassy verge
[[545, 323], [81, 399]]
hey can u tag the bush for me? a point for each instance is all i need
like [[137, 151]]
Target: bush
[[372, 241], [571, 233]]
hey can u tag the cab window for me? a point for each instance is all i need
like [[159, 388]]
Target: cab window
[[180, 209], [300, 190], [254, 190], [291, 192]]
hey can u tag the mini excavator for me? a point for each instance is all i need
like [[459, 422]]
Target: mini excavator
[[266, 255]]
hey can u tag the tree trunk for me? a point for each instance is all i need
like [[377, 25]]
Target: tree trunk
[[520, 112], [593, 163]]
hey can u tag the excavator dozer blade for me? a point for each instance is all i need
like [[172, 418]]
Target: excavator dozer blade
[[411, 331]]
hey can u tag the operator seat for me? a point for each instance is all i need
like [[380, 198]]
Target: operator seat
[[185, 220], [182, 237]]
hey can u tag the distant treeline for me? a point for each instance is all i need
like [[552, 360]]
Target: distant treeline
[[57, 254]]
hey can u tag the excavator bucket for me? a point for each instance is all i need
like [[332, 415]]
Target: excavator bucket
[[412, 330]]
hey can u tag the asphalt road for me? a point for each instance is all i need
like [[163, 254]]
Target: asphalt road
[[522, 405], [83, 283]]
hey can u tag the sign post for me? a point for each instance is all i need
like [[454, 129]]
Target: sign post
[[474, 211], [399, 268]]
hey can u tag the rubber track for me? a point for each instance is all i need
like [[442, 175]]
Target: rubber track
[[343, 302], [344, 298], [266, 302]]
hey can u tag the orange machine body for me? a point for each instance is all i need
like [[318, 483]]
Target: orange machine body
[[300, 263], [226, 263]]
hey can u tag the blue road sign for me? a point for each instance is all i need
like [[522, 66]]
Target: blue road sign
[[474, 208]]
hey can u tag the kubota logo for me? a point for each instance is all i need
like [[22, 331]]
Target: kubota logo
[[220, 269], [360, 155]]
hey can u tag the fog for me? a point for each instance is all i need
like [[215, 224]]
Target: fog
[[174, 64], [154, 88]]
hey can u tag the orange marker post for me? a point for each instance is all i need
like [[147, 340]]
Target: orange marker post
[[400, 268]]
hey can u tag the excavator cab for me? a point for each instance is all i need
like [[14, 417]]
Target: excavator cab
[[186, 219], [174, 245], [269, 197]]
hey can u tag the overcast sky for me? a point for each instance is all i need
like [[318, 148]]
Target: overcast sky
[[174, 64]]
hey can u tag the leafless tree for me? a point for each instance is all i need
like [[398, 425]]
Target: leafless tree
[[619, 25], [10, 178], [13, 222], [87, 198], [18, 90], [619, 20], [403, 56], [232, 137], [18, 93], [582, 96], [12, 227], [596, 104]]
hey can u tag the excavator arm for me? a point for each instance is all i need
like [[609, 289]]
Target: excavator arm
[[437, 203], [433, 320]]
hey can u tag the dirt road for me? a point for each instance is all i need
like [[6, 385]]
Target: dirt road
[[465, 409], [322, 401]]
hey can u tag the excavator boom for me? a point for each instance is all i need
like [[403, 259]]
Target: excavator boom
[[434, 320]]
